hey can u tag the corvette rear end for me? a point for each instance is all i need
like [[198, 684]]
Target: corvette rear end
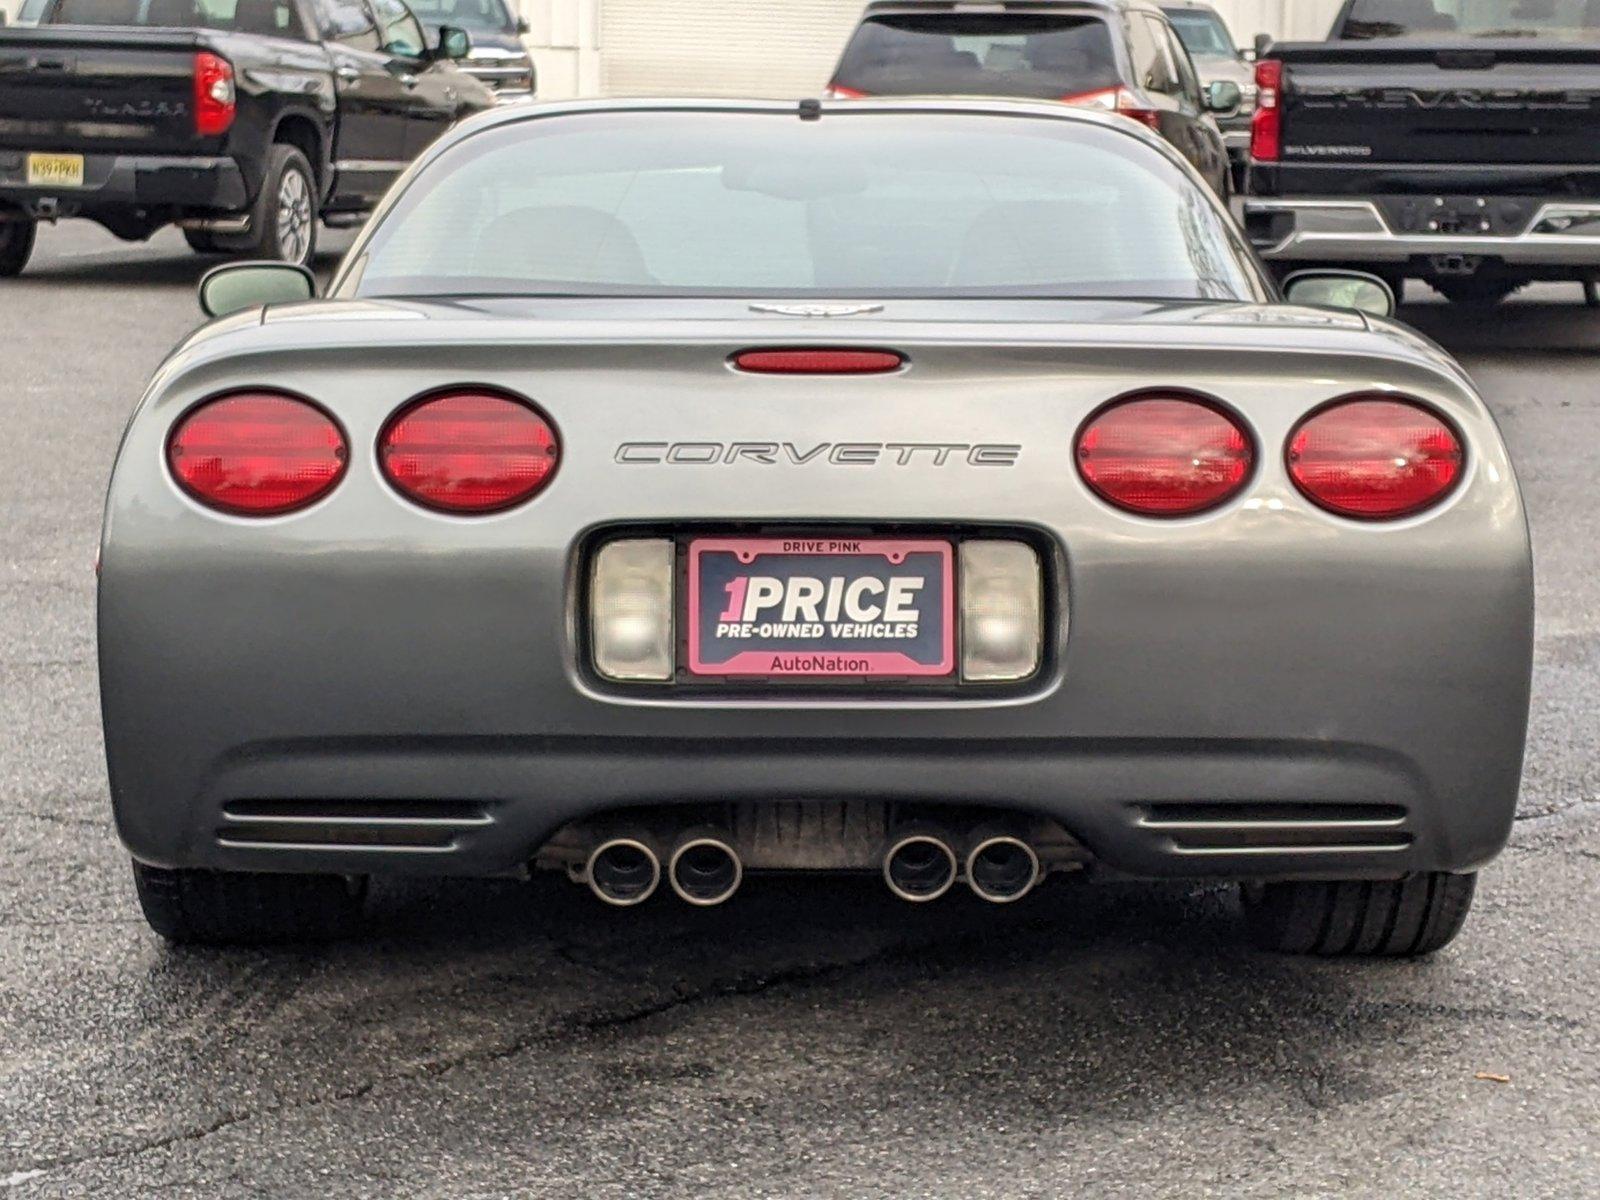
[[667, 592]]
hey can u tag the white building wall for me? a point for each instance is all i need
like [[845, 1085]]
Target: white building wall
[[759, 47]]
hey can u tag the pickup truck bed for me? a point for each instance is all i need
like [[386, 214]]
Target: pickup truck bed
[[1470, 163], [245, 136]]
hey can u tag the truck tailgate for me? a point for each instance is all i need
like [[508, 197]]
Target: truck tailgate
[[1468, 103], [100, 90]]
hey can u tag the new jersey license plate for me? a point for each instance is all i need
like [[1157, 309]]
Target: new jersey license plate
[[55, 170], [821, 607]]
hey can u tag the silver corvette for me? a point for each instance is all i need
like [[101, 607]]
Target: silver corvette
[[667, 493]]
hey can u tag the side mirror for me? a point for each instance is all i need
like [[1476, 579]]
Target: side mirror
[[1263, 44], [523, 28], [1223, 96], [234, 287], [454, 43], [1341, 289]]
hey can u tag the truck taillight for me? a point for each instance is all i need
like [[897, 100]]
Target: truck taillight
[[1118, 100], [836, 92], [215, 99], [1266, 128]]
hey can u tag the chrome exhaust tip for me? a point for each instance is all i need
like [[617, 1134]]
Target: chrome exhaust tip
[[704, 870], [623, 871], [1002, 869], [920, 867]]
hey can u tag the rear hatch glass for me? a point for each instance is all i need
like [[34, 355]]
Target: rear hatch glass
[[1040, 56]]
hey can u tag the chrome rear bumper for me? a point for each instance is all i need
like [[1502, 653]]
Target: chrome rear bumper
[[1561, 233]]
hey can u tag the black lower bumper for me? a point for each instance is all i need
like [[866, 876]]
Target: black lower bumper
[[116, 182]]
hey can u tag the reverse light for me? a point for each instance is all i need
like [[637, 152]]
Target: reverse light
[[1266, 127], [1375, 457], [1118, 100], [469, 452], [257, 454], [630, 610], [1164, 455], [1002, 611], [215, 99]]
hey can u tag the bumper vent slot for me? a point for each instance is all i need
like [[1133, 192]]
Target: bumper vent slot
[[1278, 828], [418, 825]]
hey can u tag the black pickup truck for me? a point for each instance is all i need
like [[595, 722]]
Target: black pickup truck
[[1455, 141], [241, 121]]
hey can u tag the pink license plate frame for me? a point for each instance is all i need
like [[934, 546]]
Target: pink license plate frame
[[823, 664]]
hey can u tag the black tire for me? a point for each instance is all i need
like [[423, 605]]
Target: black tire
[[202, 242], [268, 238], [1403, 918], [16, 245], [1470, 291], [245, 908]]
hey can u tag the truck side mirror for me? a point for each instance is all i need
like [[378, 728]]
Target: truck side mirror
[[1263, 44], [523, 28], [454, 44], [234, 287], [1223, 96]]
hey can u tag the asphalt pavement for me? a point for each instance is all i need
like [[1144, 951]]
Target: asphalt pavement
[[811, 1039]]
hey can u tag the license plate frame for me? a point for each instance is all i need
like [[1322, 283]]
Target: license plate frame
[[921, 657], [52, 170]]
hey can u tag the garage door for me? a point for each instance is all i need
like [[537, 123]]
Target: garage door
[[784, 48]]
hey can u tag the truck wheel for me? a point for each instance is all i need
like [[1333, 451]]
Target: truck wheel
[[16, 245], [202, 242], [1472, 292], [1403, 918], [245, 908], [283, 223]]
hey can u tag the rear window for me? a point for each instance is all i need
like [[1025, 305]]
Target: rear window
[[1554, 19], [272, 18], [869, 204], [1039, 56]]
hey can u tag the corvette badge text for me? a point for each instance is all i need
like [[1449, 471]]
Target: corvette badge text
[[838, 454]]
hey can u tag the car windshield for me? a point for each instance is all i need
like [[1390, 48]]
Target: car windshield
[[1554, 19], [272, 18], [1202, 33], [1040, 56], [483, 16], [868, 204]]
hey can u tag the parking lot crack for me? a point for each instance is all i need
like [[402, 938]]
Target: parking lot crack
[[577, 1026]]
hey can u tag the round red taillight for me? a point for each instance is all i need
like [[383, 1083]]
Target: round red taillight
[[1375, 457], [1164, 456], [469, 452], [257, 454]]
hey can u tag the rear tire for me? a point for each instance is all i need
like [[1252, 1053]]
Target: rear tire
[[16, 245], [246, 908], [283, 220], [1403, 918]]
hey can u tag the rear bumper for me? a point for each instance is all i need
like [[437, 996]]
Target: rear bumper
[[1561, 233], [128, 181], [1146, 807]]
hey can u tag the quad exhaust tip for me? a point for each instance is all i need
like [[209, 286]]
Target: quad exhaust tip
[[920, 867], [705, 871], [1002, 869], [623, 871]]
